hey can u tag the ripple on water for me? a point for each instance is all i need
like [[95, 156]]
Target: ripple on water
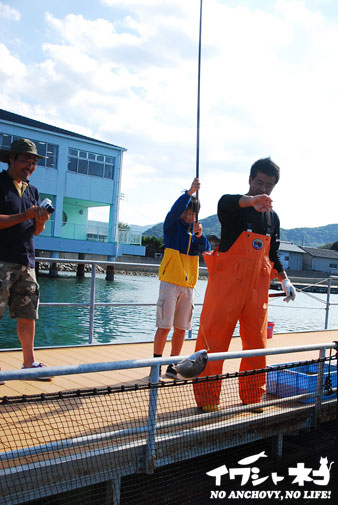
[[70, 326]]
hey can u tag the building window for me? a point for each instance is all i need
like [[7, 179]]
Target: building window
[[6, 140], [95, 168], [98, 165], [52, 153], [333, 265], [43, 148], [82, 166], [72, 164]]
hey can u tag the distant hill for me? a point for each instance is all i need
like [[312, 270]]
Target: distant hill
[[311, 237], [137, 227], [210, 225], [155, 231]]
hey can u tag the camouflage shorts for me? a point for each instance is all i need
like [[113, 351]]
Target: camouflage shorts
[[18, 290]]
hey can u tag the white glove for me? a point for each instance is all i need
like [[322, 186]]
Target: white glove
[[289, 290]]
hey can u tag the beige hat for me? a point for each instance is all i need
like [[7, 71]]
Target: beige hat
[[20, 146]]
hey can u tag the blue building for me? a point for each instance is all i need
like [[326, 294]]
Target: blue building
[[320, 260], [79, 173], [291, 255]]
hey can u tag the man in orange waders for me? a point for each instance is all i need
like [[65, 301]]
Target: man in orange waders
[[239, 281]]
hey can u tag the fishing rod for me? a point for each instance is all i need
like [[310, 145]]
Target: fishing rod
[[198, 103]]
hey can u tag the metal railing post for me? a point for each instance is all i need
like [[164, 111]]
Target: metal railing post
[[92, 304], [327, 307], [152, 416], [319, 390]]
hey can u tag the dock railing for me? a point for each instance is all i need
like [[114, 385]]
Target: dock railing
[[155, 365], [154, 439], [92, 302]]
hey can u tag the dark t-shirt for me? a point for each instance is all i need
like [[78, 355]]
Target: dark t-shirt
[[16, 242], [235, 219]]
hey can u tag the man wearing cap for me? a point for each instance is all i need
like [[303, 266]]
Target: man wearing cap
[[21, 217]]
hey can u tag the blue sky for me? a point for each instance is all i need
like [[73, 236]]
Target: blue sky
[[126, 72]]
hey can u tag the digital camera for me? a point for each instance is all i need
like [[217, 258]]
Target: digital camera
[[47, 204]]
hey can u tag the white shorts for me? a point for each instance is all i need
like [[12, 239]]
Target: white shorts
[[175, 306]]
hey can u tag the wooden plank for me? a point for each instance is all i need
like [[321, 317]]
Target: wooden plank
[[116, 352], [29, 424]]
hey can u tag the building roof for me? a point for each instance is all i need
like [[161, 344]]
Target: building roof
[[321, 253], [26, 121], [290, 247]]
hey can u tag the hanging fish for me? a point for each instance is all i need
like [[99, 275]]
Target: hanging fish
[[252, 459], [193, 366]]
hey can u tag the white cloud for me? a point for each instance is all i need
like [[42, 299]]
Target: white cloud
[[295, 12], [90, 35], [11, 67], [7, 12], [132, 3], [268, 87]]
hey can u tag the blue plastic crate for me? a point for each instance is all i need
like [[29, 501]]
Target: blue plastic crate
[[299, 380]]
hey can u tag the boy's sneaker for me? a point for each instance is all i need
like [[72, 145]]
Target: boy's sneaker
[[35, 364], [2, 382], [171, 372]]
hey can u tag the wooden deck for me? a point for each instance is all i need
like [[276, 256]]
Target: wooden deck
[[10, 360], [27, 425]]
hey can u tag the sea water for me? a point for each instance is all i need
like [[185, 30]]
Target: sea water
[[70, 325]]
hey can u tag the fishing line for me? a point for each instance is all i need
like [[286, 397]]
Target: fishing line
[[198, 102]]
